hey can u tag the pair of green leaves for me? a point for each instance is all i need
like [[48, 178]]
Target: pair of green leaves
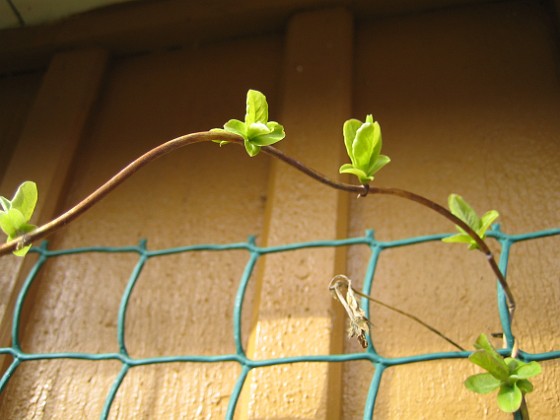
[[363, 145], [509, 375], [465, 212], [16, 213], [256, 130]]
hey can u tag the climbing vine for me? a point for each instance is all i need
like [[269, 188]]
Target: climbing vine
[[363, 142]]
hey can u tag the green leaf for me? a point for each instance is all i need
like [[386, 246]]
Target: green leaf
[[482, 343], [512, 363], [14, 225], [257, 107], [524, 386], [236, 127], [26, 228], [494, 365], [527, 370], [256, 131], [460, 208], [363, 146], [349, 130], [5, 203], [275, 134], [219, 130], [458, 238], [349, 169], [463, 211], [251, 149], [17, 213], [509, 398], [25, 199], [377, 141], [379, 163], [488, 358], [482, 383], [21, 252], [508, 374], [11, 222], [486, 221]]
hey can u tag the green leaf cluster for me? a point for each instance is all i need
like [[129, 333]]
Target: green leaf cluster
[[256, 130], [16, 213], [460, 208], [508, 375], [363, 145]]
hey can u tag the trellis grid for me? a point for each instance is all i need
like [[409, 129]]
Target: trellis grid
[[380, 362]]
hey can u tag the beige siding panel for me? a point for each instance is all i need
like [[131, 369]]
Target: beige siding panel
[[17, 94], [295, 312], [45, 149], [202, 194], [468, 101]]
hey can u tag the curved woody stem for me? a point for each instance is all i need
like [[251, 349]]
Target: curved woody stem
[[179, 142]]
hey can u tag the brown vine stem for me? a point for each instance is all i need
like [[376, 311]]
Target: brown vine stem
[[193, 138], [364, 190], [523, 410], [96, 196]]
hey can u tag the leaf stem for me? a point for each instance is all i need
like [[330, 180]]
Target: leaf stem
[[414, 318]]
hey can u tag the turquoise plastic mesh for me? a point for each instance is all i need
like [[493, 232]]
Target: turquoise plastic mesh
[[380, 362]]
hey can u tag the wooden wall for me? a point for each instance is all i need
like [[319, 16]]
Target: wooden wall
[[468, 99]]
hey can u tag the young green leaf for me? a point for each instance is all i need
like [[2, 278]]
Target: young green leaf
[[5, 203], [487, 219], [363, 145], [463, 211], [526, 370], [11, 221], [482, 383], [25, 199], [17, 212], [524, 386], [491, 362], [508, 375], [488, 358], [349, 130], [482, 343], [256, 130], [235, 127], [460, 208], [509, 398], [257, 107]]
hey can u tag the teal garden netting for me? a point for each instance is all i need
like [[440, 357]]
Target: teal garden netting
[[380, 362]]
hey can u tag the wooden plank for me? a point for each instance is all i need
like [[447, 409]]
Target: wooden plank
[[45, 151], [294, 314]]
